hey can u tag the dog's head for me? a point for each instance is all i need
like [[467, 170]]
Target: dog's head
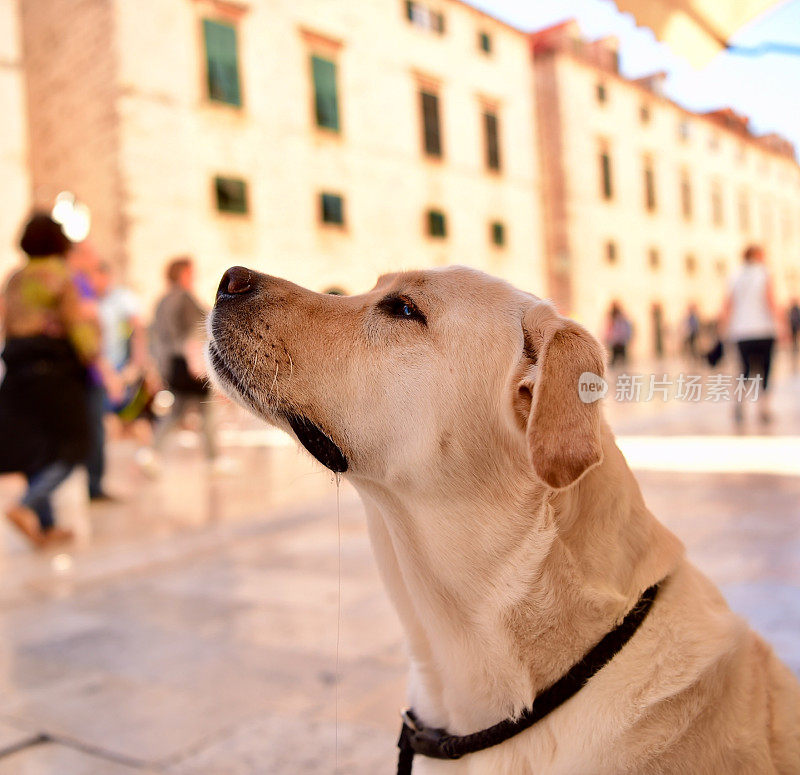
[[431, 375]]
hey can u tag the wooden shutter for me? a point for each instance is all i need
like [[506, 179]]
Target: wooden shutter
[[231, 194], [222, 62], [492, 141], [605, 172], [332, 208], [437, 225], [498, 234], [649, 187], [430, 124], [326, 104]]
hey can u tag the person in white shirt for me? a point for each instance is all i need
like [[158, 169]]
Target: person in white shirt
[[750, 317]]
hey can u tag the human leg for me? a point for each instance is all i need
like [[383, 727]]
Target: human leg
[[96, 460], [41, 486], [33, 515]]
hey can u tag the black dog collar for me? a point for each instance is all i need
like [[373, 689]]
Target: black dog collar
[[416, 738]]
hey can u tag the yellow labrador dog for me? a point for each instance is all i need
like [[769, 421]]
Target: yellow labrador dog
[[509, 531]]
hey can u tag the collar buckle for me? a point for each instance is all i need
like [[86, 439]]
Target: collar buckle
[[426, 741]]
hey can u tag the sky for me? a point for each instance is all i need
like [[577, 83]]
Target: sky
[[766, 88]]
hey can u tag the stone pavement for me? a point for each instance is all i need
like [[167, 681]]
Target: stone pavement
[[192, 629]]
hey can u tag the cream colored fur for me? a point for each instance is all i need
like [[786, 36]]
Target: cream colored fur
[[508, 529]]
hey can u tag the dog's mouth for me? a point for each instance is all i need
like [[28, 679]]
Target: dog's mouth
[[318, 444], [308, 433], [221, 368]]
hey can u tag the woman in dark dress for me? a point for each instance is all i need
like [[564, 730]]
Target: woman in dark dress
[[48, 342]]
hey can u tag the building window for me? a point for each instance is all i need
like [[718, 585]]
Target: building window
[[326, 103], [721, 267], [436, 224], [420, 15], [331, 209], [601, 93], [716, 204], [606, 183], [649, 185], [432, 142], [684, 131], [744, 211], [490, 126], [713, 142], [611, 252], [644, 113], [653, 258], [691, 264], [686, 196], [485, 42], [498, 231], [222, 62], [231, 195]]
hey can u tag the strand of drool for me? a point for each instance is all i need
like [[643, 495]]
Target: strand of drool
[[338, 621]]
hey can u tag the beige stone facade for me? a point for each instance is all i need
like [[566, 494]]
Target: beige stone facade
[[687, 193], [122, 116], [331, 142], [14, 177]]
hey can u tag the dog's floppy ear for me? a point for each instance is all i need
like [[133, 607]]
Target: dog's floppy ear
[[563, 431]]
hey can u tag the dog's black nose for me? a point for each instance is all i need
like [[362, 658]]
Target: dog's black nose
[[235, 282]]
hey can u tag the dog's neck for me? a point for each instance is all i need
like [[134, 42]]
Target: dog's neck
[[500, 593]]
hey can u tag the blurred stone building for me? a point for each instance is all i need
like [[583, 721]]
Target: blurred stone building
[[646, 202], [14, 177], [329, 142], [324, 141]]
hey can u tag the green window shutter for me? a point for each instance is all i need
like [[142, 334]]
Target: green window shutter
[[222, 65], [332, 208], [605, 173], [437, 224], [498, 234], [231, 195], [492, 141], [430, 124], [326, 104], [649, 188]]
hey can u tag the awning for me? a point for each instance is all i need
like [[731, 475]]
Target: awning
[[696, 29]]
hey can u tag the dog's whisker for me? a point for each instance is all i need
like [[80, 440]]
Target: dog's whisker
[[274, 379]]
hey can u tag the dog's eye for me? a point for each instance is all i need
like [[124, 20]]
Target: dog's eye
[[401, 307]]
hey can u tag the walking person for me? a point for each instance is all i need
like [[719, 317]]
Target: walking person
[[49, 342], [619, 332], [794, 328], [692, 328], [84, 262], [177, 334], [750, 318], [128, 375]]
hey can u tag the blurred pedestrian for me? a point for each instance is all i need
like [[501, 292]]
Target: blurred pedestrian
[[44, 428], [619, 332], [84, 260], [793, 316], [692, 330], [750, 318], [178, 336], [128, 375]]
